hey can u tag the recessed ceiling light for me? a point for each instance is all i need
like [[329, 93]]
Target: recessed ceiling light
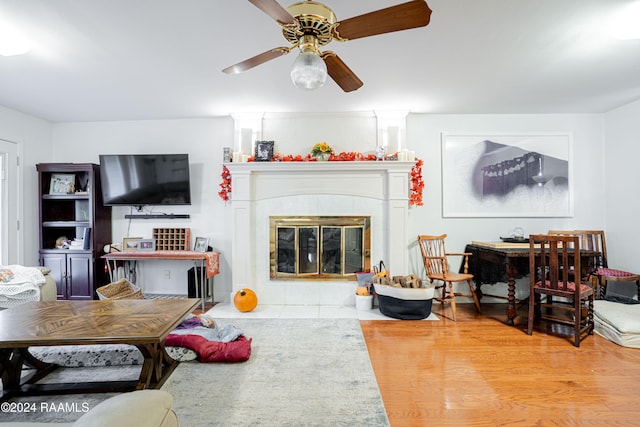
[[626, 24]]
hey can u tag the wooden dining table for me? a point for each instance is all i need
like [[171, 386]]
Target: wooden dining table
[[494, 262]]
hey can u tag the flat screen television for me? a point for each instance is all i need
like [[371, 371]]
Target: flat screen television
[[145, 179]]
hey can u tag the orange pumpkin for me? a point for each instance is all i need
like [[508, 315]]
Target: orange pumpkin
[[245, 300]]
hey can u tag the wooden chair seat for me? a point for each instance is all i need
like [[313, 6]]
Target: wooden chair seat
[[571, 286], [610, 272], [453, 277]]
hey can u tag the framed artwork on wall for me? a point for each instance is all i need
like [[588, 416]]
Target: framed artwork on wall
[[507, 175]]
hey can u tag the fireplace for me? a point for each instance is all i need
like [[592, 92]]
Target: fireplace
[[319, 247], [262, 191]]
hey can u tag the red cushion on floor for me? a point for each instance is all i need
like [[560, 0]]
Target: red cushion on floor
[[213, 351]]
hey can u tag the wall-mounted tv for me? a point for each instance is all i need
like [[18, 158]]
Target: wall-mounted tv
[[145, 179]]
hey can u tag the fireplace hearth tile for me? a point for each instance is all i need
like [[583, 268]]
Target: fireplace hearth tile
[[228, 311]]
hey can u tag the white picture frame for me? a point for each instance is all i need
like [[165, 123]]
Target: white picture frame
[[146, 245], [507, 175], [201, 244]]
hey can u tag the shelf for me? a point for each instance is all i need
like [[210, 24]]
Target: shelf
[[66, 223], [65, 196], [69, 216], [66, 251], [158, 216]]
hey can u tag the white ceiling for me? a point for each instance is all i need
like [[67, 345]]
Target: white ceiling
[[96, 60]]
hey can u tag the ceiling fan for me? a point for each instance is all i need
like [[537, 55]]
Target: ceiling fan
[[309, 25]]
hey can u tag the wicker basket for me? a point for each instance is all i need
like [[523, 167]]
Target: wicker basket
[[122, 289]]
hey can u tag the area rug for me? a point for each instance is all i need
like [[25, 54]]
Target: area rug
[[302, 372]]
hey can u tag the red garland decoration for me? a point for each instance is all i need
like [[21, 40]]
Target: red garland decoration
[[417, 184], [415, 189], [225, 186]]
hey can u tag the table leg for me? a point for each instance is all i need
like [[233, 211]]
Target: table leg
[[10, 368], [12, 361], [157, 366], [512, 271]]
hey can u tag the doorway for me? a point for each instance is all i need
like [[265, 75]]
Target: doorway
[[10, 244]]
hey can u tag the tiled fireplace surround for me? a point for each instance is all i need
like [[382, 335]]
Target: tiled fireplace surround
[[260, 190]]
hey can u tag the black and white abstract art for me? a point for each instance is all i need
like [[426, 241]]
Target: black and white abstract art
[[524, 175]]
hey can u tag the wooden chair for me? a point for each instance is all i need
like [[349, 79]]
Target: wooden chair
[[594, 239], [600, 273], [436, 264], [549, 271]]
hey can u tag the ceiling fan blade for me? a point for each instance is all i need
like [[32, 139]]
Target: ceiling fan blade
[[274, 10], [340, 73], [257, 60], [404, 16]]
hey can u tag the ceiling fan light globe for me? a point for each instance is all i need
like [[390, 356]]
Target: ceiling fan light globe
[[309, 71]]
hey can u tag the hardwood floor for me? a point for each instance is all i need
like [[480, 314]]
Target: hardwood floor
[[480, 372]]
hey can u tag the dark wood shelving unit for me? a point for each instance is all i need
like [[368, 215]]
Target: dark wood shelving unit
[[78, 272]]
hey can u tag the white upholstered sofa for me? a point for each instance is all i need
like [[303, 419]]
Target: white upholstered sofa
[[143, 408], [19, 284]]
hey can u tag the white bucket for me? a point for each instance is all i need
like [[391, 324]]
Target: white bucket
[[364, 302]]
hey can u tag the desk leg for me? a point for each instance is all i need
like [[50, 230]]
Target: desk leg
[[203, 283], [111, 270], [511, 293], [200, 267]]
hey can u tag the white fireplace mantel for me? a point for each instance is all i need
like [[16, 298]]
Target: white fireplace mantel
[[253, 182]]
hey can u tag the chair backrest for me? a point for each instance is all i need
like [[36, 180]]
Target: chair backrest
[[434, 254], [594, 240], [551, 258], [566, 233]]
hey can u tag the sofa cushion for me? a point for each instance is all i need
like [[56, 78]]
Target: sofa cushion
[[140, 408]]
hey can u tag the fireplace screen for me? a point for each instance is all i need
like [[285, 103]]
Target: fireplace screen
[[319, 247]]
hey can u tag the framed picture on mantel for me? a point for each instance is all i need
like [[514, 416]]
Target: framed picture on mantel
[[264, 151]]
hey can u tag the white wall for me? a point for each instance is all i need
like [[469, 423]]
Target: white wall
[[34, 137], [203, 139], [621, 202], [424, 136], [605, 151]]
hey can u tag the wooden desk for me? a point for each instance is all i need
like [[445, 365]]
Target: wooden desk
[[207, 262], [504, 263], [143, 323]]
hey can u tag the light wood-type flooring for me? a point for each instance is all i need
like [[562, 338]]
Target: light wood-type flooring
[[480, 372]]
